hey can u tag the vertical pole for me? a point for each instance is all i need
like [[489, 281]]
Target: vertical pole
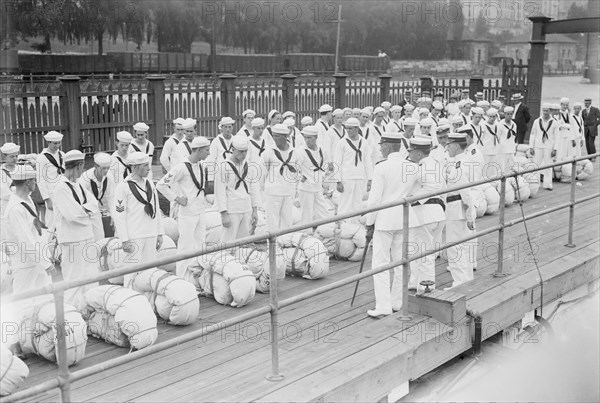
[[535, 69], [337, 40], [156, 109], [500, 269], [274, 302], [71, 111], [228, 95], [426, 85], [340, 90], [475, 86], [385, 87], [406, 266], [570, 243], [289, 92], [61, 346]]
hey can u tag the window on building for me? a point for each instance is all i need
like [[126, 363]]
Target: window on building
[[546, 55], [478, 56]]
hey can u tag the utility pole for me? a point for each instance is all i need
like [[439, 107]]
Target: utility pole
[[337, 41]]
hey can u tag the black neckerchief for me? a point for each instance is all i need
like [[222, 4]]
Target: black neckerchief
[[358, 155], [261, 147], [566, 119], [317, 166], [127, 167], [175, 140], [247, 132], [138, 150], [135, 189], [59, 164], [341, 136], [285, 163], [75, 196], [36, 219], [199, 185], [378, 131], [493, 133], [241, 179], [187, 145], [511, 131], [366, 136], [94, 187], [545, 131], [324, 125], [226, 150], [478, 134], [398, 126]]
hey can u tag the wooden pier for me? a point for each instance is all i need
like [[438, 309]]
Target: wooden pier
[[330, 351]]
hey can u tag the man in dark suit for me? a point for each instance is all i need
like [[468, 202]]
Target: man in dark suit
[[407, 99], [591, 119], [521, 117]]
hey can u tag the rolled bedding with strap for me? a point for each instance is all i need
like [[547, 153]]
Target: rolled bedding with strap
[[13, 371], [344, 241], [256, 258], [305, 256]]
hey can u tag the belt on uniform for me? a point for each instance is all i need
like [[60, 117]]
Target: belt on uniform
[[453, 198], [433, 200]]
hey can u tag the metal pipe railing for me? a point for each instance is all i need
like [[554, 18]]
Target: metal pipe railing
[[499, 270], [65, 377]]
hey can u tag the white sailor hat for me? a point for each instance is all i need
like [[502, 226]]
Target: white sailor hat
[[479, 94], [53, 136], [443, 121], [464, 91], [178, 121], [240, 142], [442, 129], [189, 123], [396, 108], [409, 107], [352, 122], [427, 99], [496, 104], [200, 141], [256, 122], [457, 138], [10, 148], [74, 155], [248, 112], [369, 108], [508, 109], [23, 172], [226, 120], [337, 112], [272, 114], [138, 158], [280, 129], [356, 110], [346, 109], [423, 111], [306, 120], [477, 111], [102, 159], [579, 104], [564, 100], [466, 129], [379, 109], [427, 122], [483, 103], [410, 122], [456, 119], [124, 136], [517, 96], [555, 106], [546, 105], [420, 99], [492, 112], [365, 111], [288, 114], [462, 103], [438, 105], [419, 142], [391, 137], [141, 127], [289, 122], [386, 104], [310, 131], [325, 108]]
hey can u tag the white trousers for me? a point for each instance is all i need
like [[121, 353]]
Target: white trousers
[[313, 205], [507, 161], [492, 165], [543, 156], [351, 198], [192, 235], [422, 239], [461, 258], [144, 250], [79, 261], [387, 247], [279, 212], [239, 228]]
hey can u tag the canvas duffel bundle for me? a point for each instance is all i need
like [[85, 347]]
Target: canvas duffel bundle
[[13, 371], [305, 256]]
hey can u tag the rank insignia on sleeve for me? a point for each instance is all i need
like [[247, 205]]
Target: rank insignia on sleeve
[[473, 151], [457, 165], [120, 208]]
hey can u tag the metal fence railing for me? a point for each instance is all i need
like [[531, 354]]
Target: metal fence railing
[[65, 377]]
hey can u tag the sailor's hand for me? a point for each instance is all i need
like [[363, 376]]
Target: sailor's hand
[[49, 204], [340, 187], [181, 200], [370, 231], [128, 247], [368, 186], [159, 241], [51, 270], [330, 167], [471, 225], [531, 151], [581, 143], [573, 143], [225, 220], [553, 153]]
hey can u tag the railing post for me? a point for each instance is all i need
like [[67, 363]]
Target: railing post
[[570, 243], [156, 108], [72, 111], [340, 90], [289, 92], [64, 375], [405, 315], [426, 85], [274, 302], [228, 95], [500, 269], [385, 80], [475, 86]]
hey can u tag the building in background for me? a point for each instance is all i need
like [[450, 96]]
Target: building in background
[[561, 51], [477, 50]]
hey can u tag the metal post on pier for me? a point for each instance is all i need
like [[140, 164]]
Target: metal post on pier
[[64, 376], [405, 316], [274, 302], [570, 243], [500, 269]]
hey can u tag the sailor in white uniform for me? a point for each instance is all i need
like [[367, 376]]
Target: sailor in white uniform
[[96, 182], [395, 123], [138, 220], [306, 121], [220, 146], [322, 124], [394, 178], [185, 185], [508, 136], [119, 168], [542, 143], [296, 140], [386, 105], [237, 193], [77, 222], [171, 144], [141, 143], [578, 129], [248, 115], [492, 145], [184, 148], [10, 153], [50, 165]]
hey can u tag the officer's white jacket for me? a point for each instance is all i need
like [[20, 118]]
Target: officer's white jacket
[[27, 247], [393, 179], [345, 161], [231, 194], [178, 182], [105, 188], [73, 223], [313, 164], [131, 221], [280, 182], [429, 179], [537, 138], [459, 173], [475, 162], [47, 173]]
